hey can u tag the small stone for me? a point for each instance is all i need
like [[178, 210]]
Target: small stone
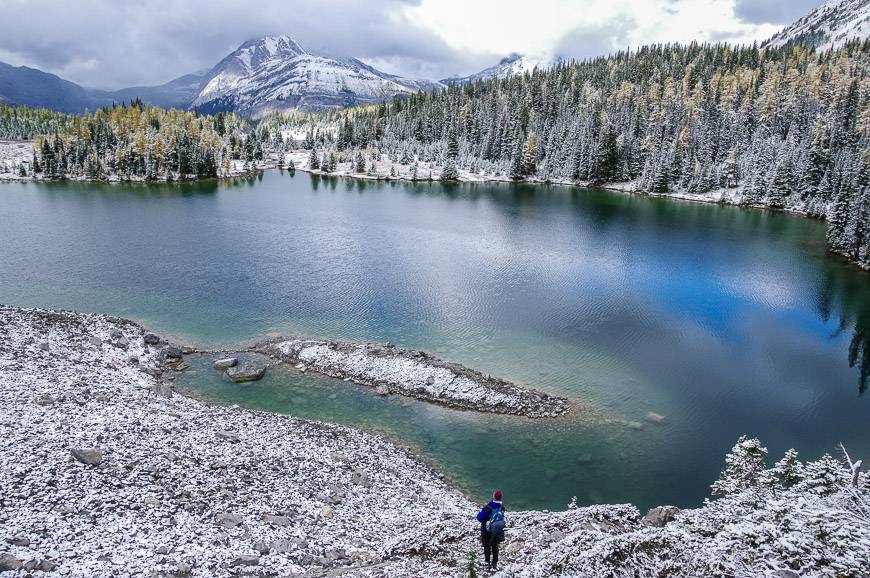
[[430, 380], [514, 547], [660, 516], [22, 541], [326, 512], [225, 363], [245, 560], [44, 346], [261, 547], [151, 339], [45, 566], [133, 359], [123, 342], [654, 417], [361, 479], [228, 435], [635, 425], [9, 563], [230, 520], [382, 390], [91, 457], [44, 399], [282, 545], [274, 520], [183, 568], [149, 501], [163, 550], [95, 341]]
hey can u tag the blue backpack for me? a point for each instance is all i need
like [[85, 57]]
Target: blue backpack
[[495, 524]]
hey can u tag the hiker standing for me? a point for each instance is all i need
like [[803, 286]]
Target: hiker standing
[[492, 523]]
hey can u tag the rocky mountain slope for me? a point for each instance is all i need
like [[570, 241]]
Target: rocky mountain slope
[[829, 26], [507, 67], [275, 73]]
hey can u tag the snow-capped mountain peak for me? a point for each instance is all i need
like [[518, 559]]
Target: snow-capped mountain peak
[[829, 26], [276, 73], [508, 66]]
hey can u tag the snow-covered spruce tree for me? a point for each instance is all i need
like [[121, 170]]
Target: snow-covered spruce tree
[[449, 172], [313, 160], [743, 465], [789, 470]]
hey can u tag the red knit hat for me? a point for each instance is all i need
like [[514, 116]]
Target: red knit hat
[[497, 495]]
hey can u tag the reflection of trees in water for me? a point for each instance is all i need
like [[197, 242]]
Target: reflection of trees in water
[[845, 292]]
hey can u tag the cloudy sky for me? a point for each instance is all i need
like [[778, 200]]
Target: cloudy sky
[[115, 43]]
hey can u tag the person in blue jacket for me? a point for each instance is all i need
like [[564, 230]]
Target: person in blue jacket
[[492, 523]]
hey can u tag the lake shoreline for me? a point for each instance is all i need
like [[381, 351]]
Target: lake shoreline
[[111, 472]]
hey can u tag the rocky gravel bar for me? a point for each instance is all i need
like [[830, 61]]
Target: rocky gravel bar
[[106, 471], [413, 373]]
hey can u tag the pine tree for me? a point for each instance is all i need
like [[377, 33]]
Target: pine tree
[[449, 172], [313, 160], [743, 466], [822, 477], [789, 470], [529, 163]]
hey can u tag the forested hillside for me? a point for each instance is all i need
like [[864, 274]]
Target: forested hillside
[[781, 128], [133, 142]]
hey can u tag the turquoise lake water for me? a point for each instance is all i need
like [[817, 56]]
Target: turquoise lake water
[[724, 320]]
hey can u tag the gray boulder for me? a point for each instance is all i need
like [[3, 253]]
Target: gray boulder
[[151, 339], [9, 563], [230, 520], [274, 520], [245, 560], [171, 353], [660, 516], [246, 371], [225, 363], [88, 456]]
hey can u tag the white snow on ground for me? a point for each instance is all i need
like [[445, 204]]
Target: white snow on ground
[[418, 374], [184, 488], [14, 154]]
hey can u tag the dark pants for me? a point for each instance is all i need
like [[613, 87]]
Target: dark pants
[[490, 548]]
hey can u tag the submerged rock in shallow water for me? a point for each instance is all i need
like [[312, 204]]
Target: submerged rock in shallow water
[[654, 417]]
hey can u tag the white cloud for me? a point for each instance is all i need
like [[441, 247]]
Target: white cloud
[[112, 43], [537, 28]]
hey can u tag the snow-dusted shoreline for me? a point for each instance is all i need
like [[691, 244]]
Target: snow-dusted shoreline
[[105, 471], [415, 374]]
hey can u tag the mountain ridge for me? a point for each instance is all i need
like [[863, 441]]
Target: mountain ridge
[[829, 25], [274, 73], [514, 63]]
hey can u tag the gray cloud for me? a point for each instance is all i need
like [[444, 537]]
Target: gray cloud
[[116, 43], [108, 44], [589, 42], [773, 11]]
